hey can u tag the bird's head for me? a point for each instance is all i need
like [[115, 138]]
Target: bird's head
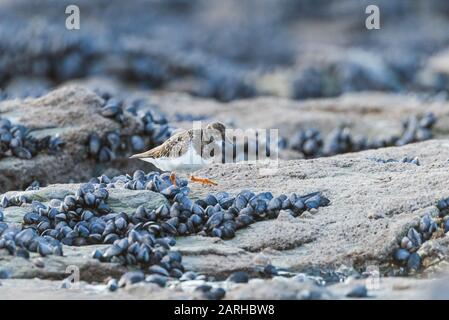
[[220, 129], [217, 129]]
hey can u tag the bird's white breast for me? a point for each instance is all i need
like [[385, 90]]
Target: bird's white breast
[[188, 162]]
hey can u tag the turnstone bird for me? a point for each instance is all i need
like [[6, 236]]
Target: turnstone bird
[[189, 150]]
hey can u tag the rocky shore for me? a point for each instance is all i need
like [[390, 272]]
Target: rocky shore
[[356, 206], [373, 205]]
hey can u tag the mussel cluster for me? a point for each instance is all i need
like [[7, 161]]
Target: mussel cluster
[[416, 129], [140, 180], [151, 132], [221, 215], [78, 220], [35, 185], [142, 247], [104, 149], [13, 201], [307, 141], [333, 78], [112, 108], [224, 82], [151, 233], [217, 215], [311, 143], [432, 224], [16, 140], [145, 237], [20, 241], [411, 160]]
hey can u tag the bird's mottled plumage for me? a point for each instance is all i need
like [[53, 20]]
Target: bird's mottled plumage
[[193, 145]]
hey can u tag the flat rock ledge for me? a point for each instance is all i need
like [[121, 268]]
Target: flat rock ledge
[[73, 113], [258, 289], [373, 204]]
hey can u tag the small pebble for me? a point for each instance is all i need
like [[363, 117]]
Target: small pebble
[[112, 285], [203, 288], [358, 291], [270, 270], [239, 277], [39, 263], [5, 274], [414, 262], [157, 279], [402, 255], [189, 275], [215, 294], [130, 278]]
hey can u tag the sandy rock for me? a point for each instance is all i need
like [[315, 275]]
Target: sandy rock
[[434, 251], [397, 288], [280, 288], [71, 112], [74, 116], [276, 288], [342, 233], [55, 267], [371, 114], [42, 289], [435, 73]]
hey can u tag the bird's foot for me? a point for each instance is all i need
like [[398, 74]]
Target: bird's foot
[[203, 181], [173, 178]]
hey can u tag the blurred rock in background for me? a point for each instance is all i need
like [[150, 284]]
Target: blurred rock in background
[[227, 49]]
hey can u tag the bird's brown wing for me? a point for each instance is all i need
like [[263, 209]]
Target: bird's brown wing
[[174, 146], [178, 144]]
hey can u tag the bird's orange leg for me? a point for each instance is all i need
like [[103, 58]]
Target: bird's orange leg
[[203, 181], [173, 178]]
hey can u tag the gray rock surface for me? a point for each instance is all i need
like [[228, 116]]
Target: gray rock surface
[[26, 289], [73, 113], [372, 206], [284, 50], [277, 288], [55, 267], [345, 232], [372, 114]]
